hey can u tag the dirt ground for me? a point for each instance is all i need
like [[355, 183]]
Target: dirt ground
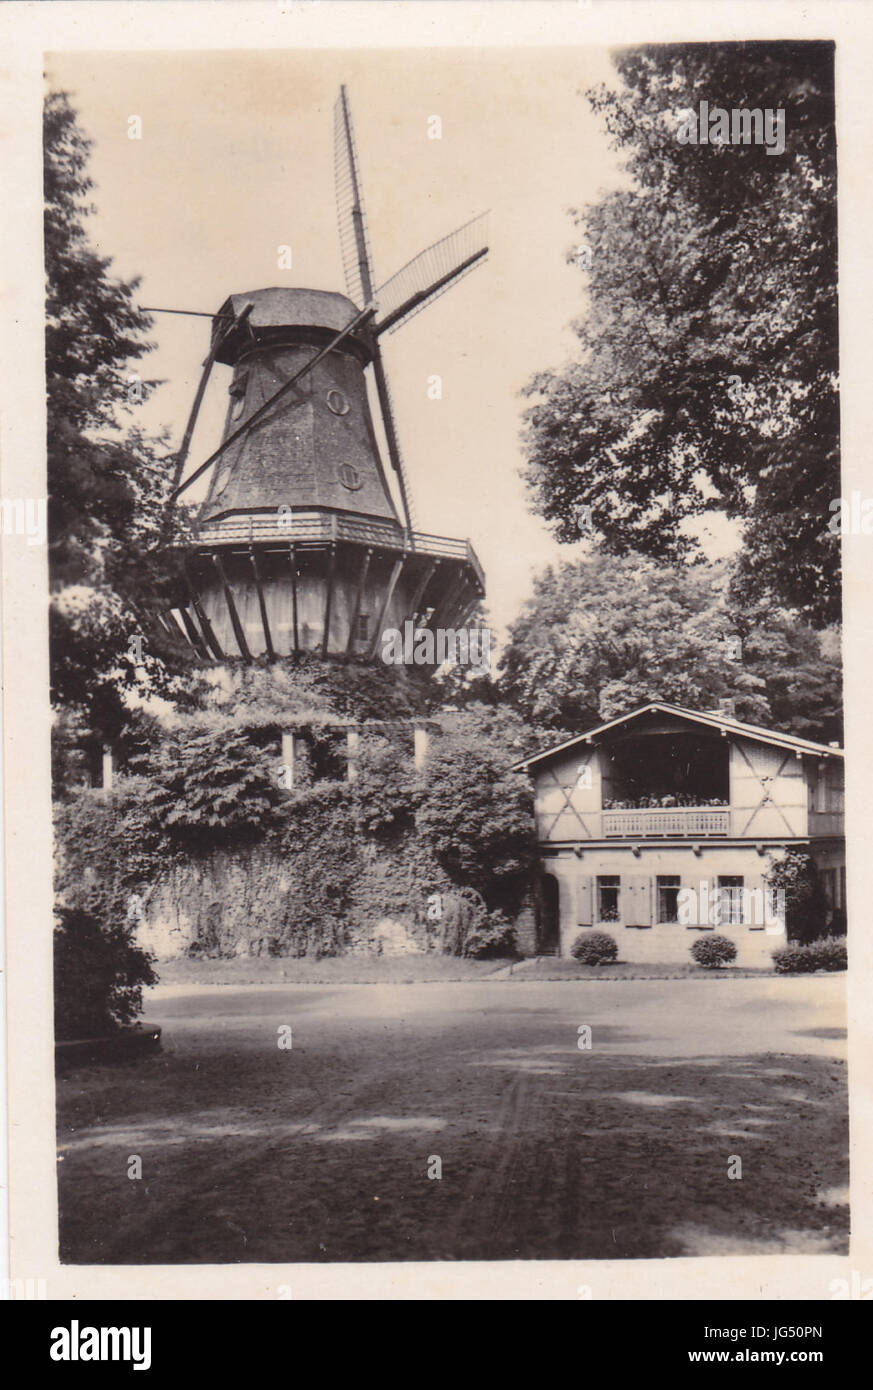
[[321, 1151]]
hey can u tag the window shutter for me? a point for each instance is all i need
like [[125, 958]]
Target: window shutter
[[638, 906], [584, 903]]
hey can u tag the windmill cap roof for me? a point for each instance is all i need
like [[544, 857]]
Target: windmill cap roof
[[281, 308]]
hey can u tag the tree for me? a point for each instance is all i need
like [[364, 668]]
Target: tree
[[794, 873], [605, 634], [707, 379], [800, 668], [107, 484], [475, 816]]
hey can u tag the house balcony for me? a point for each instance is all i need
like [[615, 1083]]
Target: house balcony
[[696, 822]]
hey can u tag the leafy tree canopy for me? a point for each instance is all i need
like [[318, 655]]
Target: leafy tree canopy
[[476, 816], [707, 377], [607, 633], [107, 482]]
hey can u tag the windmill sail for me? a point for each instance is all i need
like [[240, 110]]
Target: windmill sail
[[298, 546], [431, 272], [386, 406], [354, 243], [358, 270]]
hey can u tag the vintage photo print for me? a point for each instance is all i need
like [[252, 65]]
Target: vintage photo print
[[434, 560]]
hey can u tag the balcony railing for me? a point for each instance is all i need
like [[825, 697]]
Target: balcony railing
[[669, 821], [328, 526]]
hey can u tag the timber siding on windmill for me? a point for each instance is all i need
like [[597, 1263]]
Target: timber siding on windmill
[[298, 545]]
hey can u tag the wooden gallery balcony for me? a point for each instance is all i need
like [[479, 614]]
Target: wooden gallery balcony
[[325, 528], [672, 821], [279, 584]]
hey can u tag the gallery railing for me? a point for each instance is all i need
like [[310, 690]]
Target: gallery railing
[[327, 526], [666, 821]]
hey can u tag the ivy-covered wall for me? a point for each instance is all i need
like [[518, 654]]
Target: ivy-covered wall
[[202, 845]]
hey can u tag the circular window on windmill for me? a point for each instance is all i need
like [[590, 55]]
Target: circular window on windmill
[[337, 402], [350, 477]]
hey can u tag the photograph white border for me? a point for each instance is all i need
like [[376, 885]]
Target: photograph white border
[[27, 32]]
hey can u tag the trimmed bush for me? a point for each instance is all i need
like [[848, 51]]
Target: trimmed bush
[[831, 953], [594, 948], [713, 952], [793, 960], [827, 954]]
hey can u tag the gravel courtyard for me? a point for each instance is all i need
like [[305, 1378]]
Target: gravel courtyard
[[547, 1150]]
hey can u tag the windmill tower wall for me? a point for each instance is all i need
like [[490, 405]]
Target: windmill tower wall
[[299, 547], [317, 446]]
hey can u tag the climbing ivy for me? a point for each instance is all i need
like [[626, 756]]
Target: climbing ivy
[[203, 834]]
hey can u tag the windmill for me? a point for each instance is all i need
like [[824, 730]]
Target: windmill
[[298, 545]]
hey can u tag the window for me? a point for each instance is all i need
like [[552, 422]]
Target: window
[[668, 897], [730, 899], [362, 623], [350, 477], [608, 888]]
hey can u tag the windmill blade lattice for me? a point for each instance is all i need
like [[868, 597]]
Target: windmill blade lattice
[[354, 241], [358, 270], [387, 407], [431, 273]]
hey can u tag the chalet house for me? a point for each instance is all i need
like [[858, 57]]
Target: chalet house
[[665, 799]]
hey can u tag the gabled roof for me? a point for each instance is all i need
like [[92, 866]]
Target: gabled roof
[[711, 721]]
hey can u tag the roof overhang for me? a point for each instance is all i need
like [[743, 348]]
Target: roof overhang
[[716, 722]]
